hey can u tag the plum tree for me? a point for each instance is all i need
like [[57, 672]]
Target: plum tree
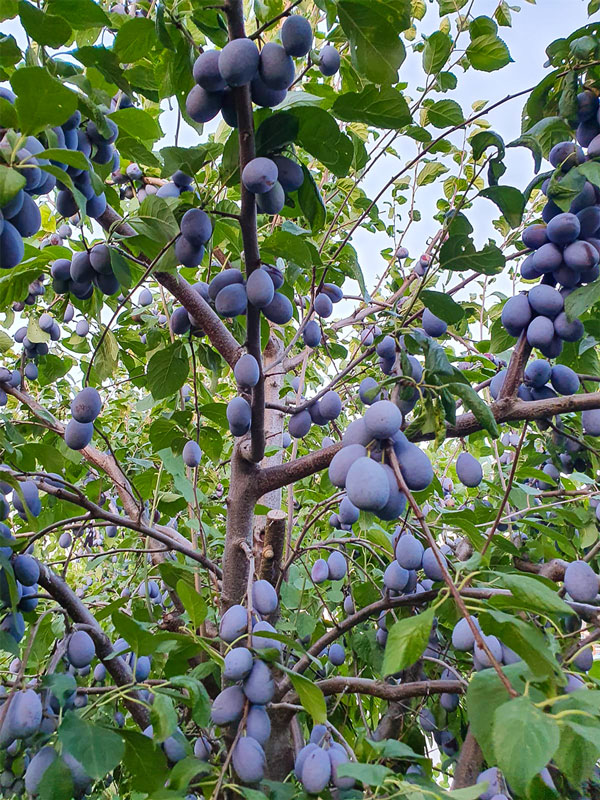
[[254, 466]]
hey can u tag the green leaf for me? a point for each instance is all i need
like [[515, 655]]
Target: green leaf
[[167, 370], [34, 330], [407, 639], [584, 297], [430, 172], [532, 593], [383, 107], [541, 137], [445, 113], [144, 761], [192, 602], [163, 717], [311, 202], [134, 38], [10, 54], [44, 28], [442, 305], [311, 697], [106, 62], [11, 181], [509, 200], [320, 135], [451, 6], [120, 267], [369, 774], [56, 782], [107, 356], [477, 405], [525, 739], [188, 159], [484, 695], [459, 253], [484, 139], [81, 14], [524, 638], [438, 47], [376, 49], [53, 105], [488, 53], [98, 749], [579, 748], [276, 132], [137, 123]]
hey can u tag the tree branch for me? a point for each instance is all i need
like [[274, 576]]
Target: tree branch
[[506, 410], [221, 339], [115, 666], [383, 690], [234, 10]]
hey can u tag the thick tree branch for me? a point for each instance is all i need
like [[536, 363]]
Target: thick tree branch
[[507, 410], [115, 666], [270, 564], [221, 339], [234, 10], [469, 763], [383, 690]]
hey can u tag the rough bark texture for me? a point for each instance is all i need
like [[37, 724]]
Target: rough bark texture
[[469, 763]]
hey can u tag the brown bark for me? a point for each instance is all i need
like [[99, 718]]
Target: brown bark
[[469, 763]]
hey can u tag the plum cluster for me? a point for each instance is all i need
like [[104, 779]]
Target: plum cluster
[[334, 569], [541, 381], [269, 179], [317, 762], [320, 412], [85, 408], [97, 144], [329, 294], [565, 248], [363, 466], [18, 582], [196, 230], [269, 72], [251, 678], [87, 268]]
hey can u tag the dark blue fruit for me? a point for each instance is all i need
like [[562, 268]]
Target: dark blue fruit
[[296, 36]]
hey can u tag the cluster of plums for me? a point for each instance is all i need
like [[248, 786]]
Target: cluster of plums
[[196, 230], [317, 762], [96, 144], [252, 682], [19, 584], [85, 408], [320, 412], [86, 269], [323, 306], [362, 467], [270, 179], [269, 72]]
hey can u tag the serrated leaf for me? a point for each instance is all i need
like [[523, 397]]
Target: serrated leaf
[[478, 406], [192, 602], [437, 49], [442, 305], [310, 696], [509, 200], [107, 356], [167, 370], [97, 749], [11, 181], [407, 639], [525, 739]]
